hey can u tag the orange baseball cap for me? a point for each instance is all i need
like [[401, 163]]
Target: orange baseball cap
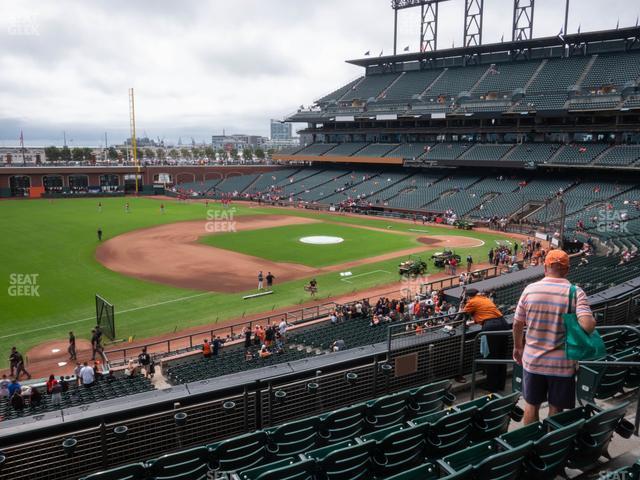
[[557, 257]]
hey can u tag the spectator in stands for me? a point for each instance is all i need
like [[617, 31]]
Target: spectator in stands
[[87, 375], [217, 345], [76, 372], [4, 387], [485, 313], [469, 263], [55, 391], [17, 402], [282, 329], [338, 345], [130, 371], [264, 352], [51, 383], [144, 360], [35, 399], [111, 376], [95, 343], [206, 349], [247, 338], [548, 375]]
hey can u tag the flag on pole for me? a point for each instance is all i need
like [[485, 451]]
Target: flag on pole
[[618, 24], [579, 27], [381, 52], [406, 49], [502, 38], [367, 53], [21, 139]]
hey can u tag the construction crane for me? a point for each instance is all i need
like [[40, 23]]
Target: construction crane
[[134, 144]]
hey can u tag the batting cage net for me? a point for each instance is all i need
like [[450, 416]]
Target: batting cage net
[[105, 317]]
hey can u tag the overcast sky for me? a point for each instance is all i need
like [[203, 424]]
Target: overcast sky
[[199, 67]]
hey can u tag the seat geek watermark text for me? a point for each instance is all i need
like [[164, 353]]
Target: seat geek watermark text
[[221, 221], [23, 285]]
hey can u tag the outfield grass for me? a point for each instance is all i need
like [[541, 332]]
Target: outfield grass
[[57, 241], [282, 244]]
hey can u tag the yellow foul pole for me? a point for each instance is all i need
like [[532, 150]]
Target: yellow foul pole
[[132, 127]]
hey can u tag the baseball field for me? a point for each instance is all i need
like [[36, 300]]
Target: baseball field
[[188, 264]]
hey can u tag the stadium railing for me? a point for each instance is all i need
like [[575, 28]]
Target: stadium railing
[[179, 343]]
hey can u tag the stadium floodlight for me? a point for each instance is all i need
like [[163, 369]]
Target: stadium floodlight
[[428, 22]]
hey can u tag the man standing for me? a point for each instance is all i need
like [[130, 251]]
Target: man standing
[[217, 344], [96, 347], [485, 313], [87, 375], [99, 234], [72, 346], [260, 279], [144, 360], [19, 363], [270, 278], [548, 374], [469, 263]]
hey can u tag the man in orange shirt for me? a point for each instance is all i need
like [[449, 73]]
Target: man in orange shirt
[[485, 313]]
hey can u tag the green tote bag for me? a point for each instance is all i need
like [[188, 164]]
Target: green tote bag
[[579, 345]]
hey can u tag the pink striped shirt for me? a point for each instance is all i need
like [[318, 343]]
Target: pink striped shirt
[[540, 309]]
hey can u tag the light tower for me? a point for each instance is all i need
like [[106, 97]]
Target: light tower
[[132, 128]]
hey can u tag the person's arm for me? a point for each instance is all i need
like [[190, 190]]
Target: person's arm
[[583, 312], [519, 322]]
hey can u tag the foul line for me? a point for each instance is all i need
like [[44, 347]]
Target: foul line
[[362, 275], [93, 318]]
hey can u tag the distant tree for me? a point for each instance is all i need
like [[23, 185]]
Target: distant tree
[[149, 153], [222, 154], [52, 153], [186, 153], [174, 154], [160, 155], [234, 154], [259, 153], [65, 154], [112, 153], [78, 154], [196, 152], [271, 151], [209, 152], [124, 154], [247, 154]]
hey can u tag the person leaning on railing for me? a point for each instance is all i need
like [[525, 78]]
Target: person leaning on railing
[[485, 313]]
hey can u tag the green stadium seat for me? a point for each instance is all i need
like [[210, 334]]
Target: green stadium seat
[[136, 471], [489, 460], [602, 382], [345, 461], [492, 415], [343, 424], [447, 431], [550, 447], [386, 411], [593, 438], [429, 471], [240, 453], [192, 464], [430, 398], [397, 448], [293, 438], [289, 469]]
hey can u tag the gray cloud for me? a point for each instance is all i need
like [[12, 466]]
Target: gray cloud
[[199, 67]]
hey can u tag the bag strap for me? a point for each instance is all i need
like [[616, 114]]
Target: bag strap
[[572, 299]]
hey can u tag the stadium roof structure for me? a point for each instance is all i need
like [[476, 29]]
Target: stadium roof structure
[[631, 35]]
